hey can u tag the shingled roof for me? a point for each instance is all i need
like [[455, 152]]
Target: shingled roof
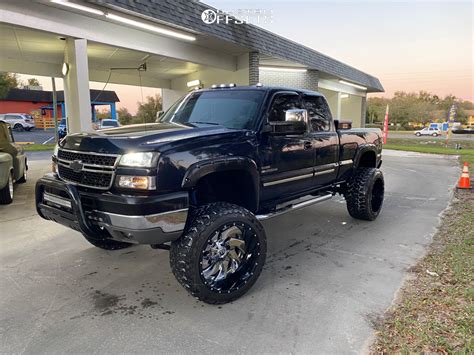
[[187, 14], [47, 96]]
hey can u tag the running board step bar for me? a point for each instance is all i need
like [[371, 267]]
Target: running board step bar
[[297, 206]]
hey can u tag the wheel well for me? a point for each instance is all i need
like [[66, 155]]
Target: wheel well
[[368, 160], [233, 186]]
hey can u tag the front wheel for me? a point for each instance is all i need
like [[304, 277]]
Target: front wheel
[[364, 193], [435, 134], [221, 253], [417, 134]]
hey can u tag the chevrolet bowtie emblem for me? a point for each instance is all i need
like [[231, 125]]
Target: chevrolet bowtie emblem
[[76, 166]]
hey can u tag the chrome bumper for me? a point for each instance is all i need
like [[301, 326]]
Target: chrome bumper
[[152, 229]]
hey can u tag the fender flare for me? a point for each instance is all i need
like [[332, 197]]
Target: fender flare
[[203, 168], [362, 149], [200, 169]]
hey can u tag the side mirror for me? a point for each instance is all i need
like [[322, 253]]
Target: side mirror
[[296, 122], [341, 125], [158, 115]]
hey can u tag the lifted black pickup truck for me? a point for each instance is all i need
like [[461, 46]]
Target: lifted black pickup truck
[[217, 162]]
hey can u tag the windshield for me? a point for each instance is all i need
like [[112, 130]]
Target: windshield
[[235, 109]]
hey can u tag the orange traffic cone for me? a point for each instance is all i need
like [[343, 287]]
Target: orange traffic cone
[[465, 180]]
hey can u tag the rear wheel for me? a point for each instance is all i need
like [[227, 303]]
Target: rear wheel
[[18, 127], [221, 253], [417, 134], [6, 194], [364, 193]]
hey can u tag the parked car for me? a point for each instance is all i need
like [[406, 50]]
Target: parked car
[[463, 130], [13, 164], [19, 121], [219, 161], [428, 131], [108, 123], [62, 128]]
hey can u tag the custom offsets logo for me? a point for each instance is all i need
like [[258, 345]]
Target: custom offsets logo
[[238, 17]]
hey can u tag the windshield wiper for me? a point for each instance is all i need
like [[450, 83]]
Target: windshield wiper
[[211, 123]]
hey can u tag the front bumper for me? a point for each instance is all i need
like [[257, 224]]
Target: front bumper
[[131, 219]]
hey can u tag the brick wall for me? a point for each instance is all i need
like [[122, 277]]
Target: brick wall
[[253, 68], [307, 80]]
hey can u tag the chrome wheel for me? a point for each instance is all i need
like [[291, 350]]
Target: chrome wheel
[[10, 186], [229, 258]]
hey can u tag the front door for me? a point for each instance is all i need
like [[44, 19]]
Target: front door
[[325, 139], [287, 161]]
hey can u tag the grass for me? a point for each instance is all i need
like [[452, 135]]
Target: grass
[[425, 145], [434, 312], [37, 147]]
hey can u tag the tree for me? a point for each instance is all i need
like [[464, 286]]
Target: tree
[[7, 81], [124, 116], [33, 82], [423, 107], [147, 111]]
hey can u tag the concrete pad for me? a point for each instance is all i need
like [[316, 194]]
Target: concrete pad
[[327, 276]]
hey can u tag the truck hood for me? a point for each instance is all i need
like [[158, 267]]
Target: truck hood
[[140, 137]]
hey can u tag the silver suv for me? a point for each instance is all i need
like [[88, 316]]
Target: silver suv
[[19, 121]]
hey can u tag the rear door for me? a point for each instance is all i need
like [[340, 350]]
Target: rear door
[[287, 161], [325, 139]]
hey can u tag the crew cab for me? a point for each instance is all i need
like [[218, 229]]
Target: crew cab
[[199, 181]]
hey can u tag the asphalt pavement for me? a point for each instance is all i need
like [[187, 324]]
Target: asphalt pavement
[[38, 136], [327, 278]]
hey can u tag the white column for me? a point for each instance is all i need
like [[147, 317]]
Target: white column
[[76, 86], [339, 102]]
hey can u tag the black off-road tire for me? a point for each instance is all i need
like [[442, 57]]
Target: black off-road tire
[[186, 252], [107, 244], [364, 193], [6, 195]]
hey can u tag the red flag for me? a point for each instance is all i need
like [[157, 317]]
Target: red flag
[[385, 127]]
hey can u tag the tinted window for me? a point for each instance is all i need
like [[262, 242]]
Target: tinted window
[[109, 123], [318, 113], [281, 104], [12, 117], [229, 108]]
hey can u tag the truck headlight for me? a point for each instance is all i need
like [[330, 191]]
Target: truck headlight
[[136, 182], [138, 160]]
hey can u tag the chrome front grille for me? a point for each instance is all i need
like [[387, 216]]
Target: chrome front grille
[[93, 170]]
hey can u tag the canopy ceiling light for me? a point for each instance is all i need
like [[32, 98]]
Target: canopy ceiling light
[[65, 69], [79, 7], [287, 69], [353, 85], [126, 20], [344, 96], [193, 83], [146, 26]]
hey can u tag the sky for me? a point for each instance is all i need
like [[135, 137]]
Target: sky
[[408, 45]]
